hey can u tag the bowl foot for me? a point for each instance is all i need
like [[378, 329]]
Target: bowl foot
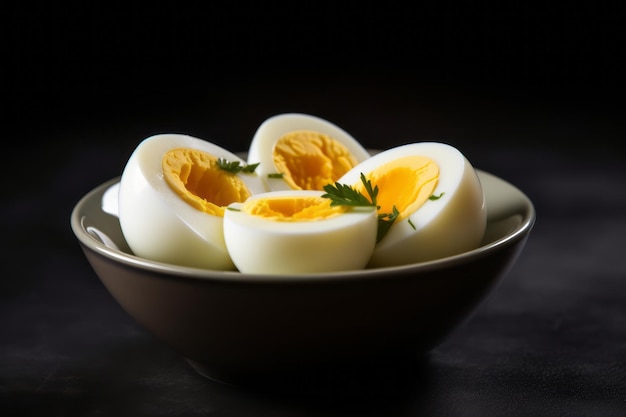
[[211, 374], [377, 368]]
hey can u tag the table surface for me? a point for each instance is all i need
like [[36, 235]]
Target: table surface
[[549, 340]]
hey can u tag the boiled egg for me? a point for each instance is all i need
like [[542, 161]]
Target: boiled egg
[[172, 196], [298, 232], [298, 151], [438, 197]]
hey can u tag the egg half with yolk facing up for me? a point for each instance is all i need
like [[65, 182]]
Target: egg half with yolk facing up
[[172, 196], [298, 232], [438, 197], [303, 152]]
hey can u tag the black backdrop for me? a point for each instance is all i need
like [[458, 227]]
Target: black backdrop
[[483, 77], [226, 66]]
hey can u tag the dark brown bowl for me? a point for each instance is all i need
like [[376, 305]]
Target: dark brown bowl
[[231, 326]]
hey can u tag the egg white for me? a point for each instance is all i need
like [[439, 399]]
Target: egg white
[[259, 245], [452, 224], [262, 144], [157, 223]]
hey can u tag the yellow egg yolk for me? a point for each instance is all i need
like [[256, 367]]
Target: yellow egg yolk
[[405, 183], [196, 178], [310, 160], [293, 209]]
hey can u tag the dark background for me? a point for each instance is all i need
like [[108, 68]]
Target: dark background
[[483, 77], [217, 72], [531, 93]]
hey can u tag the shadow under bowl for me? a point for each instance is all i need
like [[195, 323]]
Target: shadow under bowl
[[233, 327]]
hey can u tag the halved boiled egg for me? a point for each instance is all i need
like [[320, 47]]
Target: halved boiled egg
[[173, 193], [436, 196], [298, 231], [302, 152]]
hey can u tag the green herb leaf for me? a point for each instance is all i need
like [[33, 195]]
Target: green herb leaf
[[373, 192], [385, 221], [345, 195], [249, 169], [235, 167], [436, 197]]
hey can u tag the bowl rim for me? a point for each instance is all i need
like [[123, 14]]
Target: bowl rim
[[171, 270]]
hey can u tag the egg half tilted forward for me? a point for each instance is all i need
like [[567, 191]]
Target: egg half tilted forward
[[172, 196], [438, 196], [298, 151], [298, 232]]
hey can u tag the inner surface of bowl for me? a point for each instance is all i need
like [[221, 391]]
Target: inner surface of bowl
[[228, 324]]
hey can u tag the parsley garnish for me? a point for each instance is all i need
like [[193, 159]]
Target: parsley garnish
[[235, 167], [436, 197], [385, 220], [345, 195]]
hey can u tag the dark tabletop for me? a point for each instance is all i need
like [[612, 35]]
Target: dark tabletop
[[532, 97]]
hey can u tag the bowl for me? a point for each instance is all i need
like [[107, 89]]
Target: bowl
[[232, 326]]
